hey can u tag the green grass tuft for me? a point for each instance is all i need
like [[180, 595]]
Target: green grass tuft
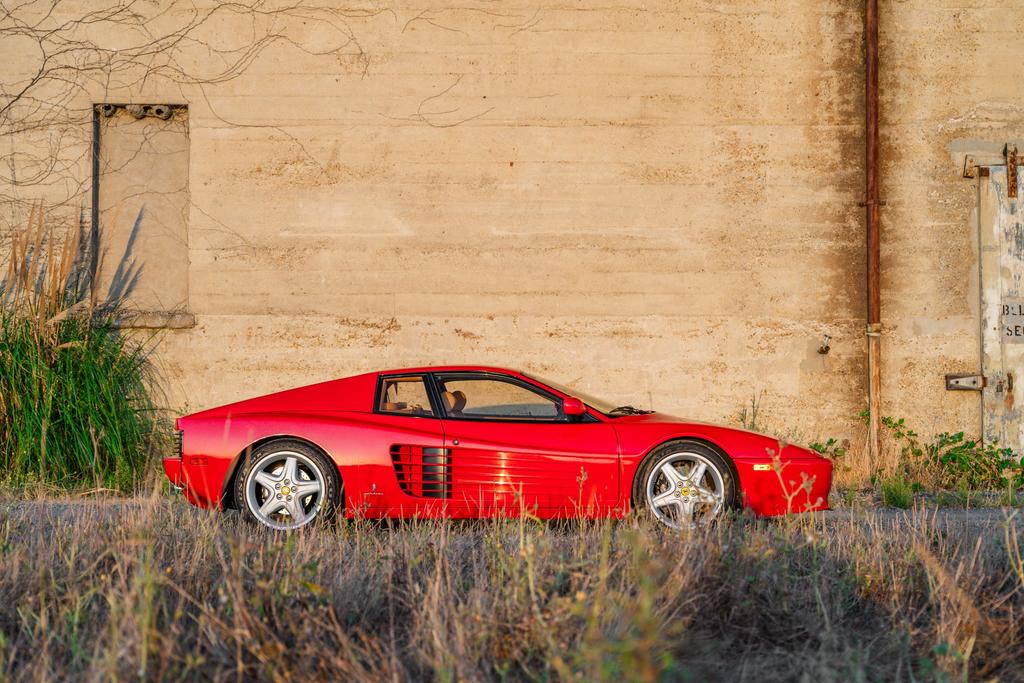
[[77, 412], [897, 492]]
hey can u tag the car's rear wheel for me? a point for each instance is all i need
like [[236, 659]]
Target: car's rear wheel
[[685, 484], [286, 485]]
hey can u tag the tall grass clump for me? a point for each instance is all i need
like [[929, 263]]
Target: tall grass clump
[[76, 406]]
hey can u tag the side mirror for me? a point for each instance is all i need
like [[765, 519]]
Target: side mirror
[[573, 407]]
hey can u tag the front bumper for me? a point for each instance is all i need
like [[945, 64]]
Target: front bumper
[[789, 485]]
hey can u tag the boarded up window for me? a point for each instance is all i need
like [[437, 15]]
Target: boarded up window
[[143, 209]]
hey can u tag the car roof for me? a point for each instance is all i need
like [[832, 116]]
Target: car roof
[[450, 368]]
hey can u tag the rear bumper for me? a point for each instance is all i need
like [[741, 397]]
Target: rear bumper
[[172, 468], [771, 488]]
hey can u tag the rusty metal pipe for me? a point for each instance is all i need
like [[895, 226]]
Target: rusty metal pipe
[[872, 204]]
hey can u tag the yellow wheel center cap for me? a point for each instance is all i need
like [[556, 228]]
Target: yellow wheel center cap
[[285, 490], [684, 490]]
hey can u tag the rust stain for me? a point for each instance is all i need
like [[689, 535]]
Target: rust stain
[[1011, 171]]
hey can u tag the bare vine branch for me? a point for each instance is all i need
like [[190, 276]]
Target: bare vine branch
[[60, 59]]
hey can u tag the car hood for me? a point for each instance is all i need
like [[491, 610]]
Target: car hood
[[733, 439]]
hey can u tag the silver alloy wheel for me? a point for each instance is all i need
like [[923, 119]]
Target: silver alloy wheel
[[284, 490], [685, 489]]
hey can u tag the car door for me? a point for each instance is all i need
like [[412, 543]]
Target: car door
[[513, 450], [409, 472]]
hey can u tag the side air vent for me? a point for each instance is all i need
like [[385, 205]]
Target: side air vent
[[423, 472]]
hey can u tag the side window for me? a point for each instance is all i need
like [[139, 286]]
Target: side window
[[485, 398], [404, 396]]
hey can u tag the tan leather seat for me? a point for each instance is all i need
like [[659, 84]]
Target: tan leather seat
[[449, 401]]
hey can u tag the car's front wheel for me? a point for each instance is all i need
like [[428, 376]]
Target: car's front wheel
[[684, 484], [286, 485]]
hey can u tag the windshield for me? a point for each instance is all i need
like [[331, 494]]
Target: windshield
[[594, 402]]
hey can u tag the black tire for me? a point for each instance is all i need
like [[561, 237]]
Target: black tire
[[730, 494], [310, 462]]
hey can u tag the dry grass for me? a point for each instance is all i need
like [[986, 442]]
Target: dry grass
[[158, 591]]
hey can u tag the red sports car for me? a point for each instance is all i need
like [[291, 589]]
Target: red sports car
[[466, 441]]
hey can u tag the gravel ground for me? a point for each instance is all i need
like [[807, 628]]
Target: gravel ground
[[976, 521]]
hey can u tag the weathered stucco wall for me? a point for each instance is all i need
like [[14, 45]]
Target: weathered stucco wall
[[657, 204], [653, 201]]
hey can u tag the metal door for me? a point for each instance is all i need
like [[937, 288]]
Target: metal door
[[1001, 266]]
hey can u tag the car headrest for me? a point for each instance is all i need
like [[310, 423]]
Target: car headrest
[[449, 400], [460, 402]]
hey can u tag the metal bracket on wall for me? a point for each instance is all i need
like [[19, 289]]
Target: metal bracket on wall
[[965, 382], [976, 155], [1010, 151]]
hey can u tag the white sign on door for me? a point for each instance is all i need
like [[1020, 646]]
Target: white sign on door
[[1012, 321]]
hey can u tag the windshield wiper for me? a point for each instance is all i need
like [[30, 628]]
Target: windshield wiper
[[629, 410]]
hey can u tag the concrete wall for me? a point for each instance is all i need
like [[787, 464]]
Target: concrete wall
[[657, 202]]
